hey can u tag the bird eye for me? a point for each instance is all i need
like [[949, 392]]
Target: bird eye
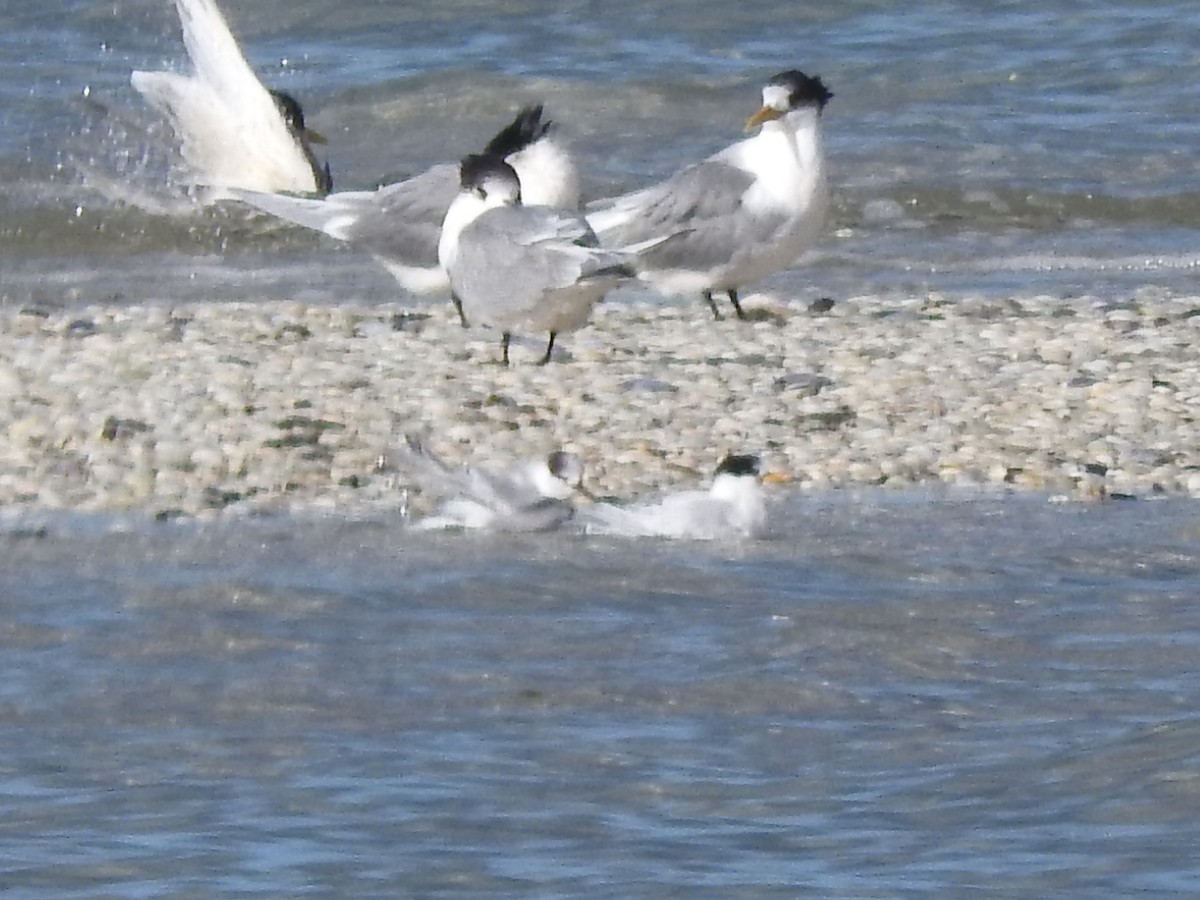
[[480, 193]]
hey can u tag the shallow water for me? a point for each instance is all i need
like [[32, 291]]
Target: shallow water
[[1056, 156], [897, 694]]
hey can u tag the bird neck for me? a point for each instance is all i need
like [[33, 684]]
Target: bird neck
[[786, 160], [800, 130], [547, 483], [464, 210], [744, 496]]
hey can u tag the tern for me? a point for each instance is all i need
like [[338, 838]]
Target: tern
[[531, 495], [523, 267], [233, 131], [748, 211], [399, 224], [734, 506]]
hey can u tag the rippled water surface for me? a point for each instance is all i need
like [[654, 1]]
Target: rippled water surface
[[997, 149], [894, 695], [897, 695]]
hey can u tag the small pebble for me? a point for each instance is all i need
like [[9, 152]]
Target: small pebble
[[227, 408]]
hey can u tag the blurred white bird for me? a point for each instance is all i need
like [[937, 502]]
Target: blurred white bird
[[399, 224], [734, 506], [748, 211], [233, 132], [522, 267], [531, 495]]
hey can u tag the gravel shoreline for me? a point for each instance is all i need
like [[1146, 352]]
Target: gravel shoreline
[[273, 405]]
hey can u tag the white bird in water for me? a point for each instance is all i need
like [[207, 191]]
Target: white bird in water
[[748, 211], [233, 132], [518, 267], [399, 224], [532, 495], [734, 506]]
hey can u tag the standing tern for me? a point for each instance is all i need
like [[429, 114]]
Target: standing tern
[[743, 213], [233, 132], [399, 224], [522, 267], [734, 506], [532, 495]]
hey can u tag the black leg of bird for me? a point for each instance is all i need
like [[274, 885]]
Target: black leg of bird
[[462, 316], [712, 304], [549, 348], [737, 307], [504, 339]]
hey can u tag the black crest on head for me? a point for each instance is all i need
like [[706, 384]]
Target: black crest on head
[[564, 466], [803, 89], [741, 464], [526, 128], [475, 169]]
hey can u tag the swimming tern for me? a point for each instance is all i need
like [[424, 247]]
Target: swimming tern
[[523, 267], [233, 131], [531, 495], [399, 224], [734, 506], [743, 213]]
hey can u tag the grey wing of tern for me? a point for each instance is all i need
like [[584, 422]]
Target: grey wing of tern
[[400, 224], [522, 268], [530, 495], [742, 214]]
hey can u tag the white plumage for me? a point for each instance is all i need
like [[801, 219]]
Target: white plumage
[[734, 506], [740, 215], [233, 132], [517, 267], [531, 495]]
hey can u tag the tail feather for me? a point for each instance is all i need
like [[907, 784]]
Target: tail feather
[[522, 131], [327, 216]]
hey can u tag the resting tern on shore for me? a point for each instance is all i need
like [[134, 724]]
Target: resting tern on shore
[[734, 506], [399, 224], [517, 267], [748, 211], [532, 495], [233, 132]]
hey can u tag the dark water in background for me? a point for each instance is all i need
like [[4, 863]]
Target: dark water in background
[[895, 695], [976, 149], [898, 695]]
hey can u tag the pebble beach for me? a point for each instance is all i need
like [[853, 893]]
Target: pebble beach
[[254, 407]]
